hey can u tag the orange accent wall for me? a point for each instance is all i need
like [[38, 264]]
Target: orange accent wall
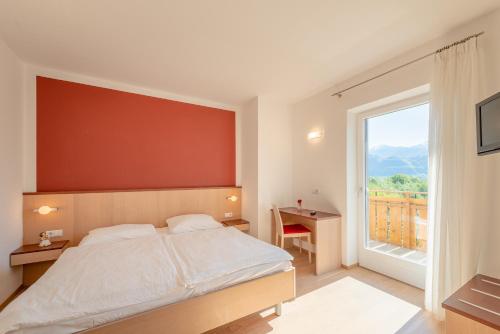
[[92, 138]]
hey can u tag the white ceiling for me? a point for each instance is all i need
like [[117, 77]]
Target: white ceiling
[[226, 50]]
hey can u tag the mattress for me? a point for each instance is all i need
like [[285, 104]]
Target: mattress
[[173, 263]]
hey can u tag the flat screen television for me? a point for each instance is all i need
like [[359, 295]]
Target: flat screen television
[[488, 125]]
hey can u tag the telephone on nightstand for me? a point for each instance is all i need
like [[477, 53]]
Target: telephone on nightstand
[[44, 239]]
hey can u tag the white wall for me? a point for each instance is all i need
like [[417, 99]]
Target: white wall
[[29, 123], [275, 161], [319, 165], [249, 164], [324, 165], [266, 162], [490, 258], [11, 108]]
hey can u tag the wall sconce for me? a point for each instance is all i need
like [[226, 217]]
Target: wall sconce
[[232, 198], [45, 210], [315, 135]]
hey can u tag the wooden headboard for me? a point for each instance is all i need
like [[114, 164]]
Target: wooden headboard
[[80, 212]]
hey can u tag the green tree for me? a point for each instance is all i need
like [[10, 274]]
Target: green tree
[[398, 182]]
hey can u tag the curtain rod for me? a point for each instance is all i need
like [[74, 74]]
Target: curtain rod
[[339, 93]]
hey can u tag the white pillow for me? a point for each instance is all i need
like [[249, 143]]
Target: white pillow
[[118, 232], [97, 239], [190, 223], [162, 230], [125, 229]]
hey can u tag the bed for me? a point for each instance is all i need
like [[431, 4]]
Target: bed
[[155, 283]]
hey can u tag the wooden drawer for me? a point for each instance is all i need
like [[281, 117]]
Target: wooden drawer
[[18, 259], [458, 324], [240, 224], [243, 227]]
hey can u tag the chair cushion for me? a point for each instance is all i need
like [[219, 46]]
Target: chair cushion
[[295, 228]]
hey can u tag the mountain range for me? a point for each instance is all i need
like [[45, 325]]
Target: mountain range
[[385, 160]]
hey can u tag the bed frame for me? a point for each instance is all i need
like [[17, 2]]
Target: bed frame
[[206, 312], [80, 212]]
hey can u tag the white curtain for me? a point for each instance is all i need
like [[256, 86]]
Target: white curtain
[[454, 220]]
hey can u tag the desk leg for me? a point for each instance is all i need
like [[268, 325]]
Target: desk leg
[[273, 230], [328, 252]]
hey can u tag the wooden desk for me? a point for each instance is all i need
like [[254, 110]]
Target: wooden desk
[[326, 238], [474, 308]]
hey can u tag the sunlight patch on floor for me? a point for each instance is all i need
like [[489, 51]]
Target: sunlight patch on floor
[[345, 306]]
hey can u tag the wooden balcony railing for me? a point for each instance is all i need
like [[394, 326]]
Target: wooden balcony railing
[[398, 218]]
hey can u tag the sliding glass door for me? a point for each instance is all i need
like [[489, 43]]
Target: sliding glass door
[[393, 152]]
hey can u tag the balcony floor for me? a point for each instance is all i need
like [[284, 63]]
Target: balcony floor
[[401, 252]]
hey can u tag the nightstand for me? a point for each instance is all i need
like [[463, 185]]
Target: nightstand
[[36, 260], [240, 224]]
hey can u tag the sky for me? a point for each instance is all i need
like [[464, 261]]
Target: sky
[[405, 127]]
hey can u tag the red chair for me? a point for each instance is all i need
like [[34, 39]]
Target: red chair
[[290, 231]]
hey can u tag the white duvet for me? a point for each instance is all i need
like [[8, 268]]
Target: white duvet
[[205, 255], [93, 279], [97, 279]]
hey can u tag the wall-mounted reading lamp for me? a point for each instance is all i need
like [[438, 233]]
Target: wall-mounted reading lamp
[[232, 198], [315, 135], [45, 210]]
